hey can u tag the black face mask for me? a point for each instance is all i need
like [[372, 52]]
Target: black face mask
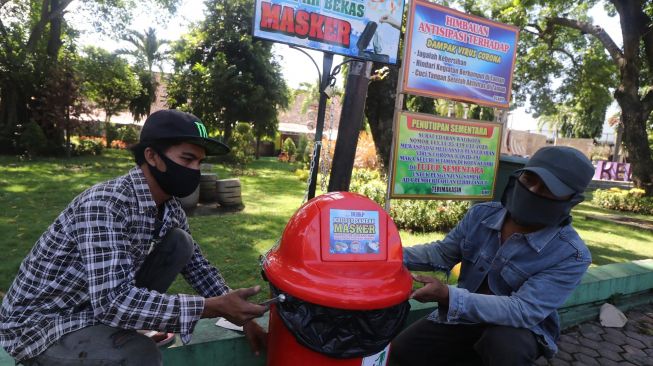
[[529, 209], [177, 180]]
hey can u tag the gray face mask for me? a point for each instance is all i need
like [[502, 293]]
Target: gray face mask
[[529, 209]]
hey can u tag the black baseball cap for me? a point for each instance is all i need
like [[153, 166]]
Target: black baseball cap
[[175, 124], [564, 170]]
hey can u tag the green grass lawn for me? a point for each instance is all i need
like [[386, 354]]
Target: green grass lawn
[[33, 193]]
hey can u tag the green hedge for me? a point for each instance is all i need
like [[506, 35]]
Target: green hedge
[[415, 215], [632, 200], [88, 147], [426, 216]]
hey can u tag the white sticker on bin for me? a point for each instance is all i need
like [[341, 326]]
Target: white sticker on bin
[[378, 359]]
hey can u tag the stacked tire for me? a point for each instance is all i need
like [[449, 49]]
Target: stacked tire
[[229, 192], [208, 190]]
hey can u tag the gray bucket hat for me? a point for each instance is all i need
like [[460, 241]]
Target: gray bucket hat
[[564, 170]]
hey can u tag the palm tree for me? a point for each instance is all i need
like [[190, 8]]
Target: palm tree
[[147, 46], [147, 54], [312, 94]]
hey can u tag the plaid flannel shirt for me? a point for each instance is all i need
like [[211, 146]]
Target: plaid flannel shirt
[[81, 272]]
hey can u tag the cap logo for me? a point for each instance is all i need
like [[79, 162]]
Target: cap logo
[[201, 129]]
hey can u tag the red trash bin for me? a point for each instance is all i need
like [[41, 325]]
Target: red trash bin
[[339, 264]]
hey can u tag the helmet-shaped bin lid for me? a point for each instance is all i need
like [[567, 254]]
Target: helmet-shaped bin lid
[[340, 250]]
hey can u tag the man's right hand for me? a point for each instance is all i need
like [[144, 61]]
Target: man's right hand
[[234, 306]]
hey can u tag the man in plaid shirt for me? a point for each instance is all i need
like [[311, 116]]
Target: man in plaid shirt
[[101, 270]]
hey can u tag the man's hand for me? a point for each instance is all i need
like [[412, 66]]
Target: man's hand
[[256, 336], [234, 306], [433, 290], [388, 19]]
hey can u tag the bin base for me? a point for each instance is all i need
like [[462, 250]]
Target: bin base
[[284, 350]]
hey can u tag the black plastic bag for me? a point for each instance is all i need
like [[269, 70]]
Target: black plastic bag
[[341, 333]]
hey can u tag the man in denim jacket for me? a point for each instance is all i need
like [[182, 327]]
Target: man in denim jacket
[[521, 259]]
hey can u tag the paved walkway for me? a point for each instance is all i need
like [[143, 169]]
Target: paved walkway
[[592, 344]]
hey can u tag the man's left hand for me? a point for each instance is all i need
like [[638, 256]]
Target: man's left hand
[[256, 336], [433, 290]]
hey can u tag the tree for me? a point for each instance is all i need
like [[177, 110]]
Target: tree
[[31, 36], [311, 92], [141, 105], [241, 144], [146, 49], [379, 110], [146, 52], [222, 75], [57, 107], [565, 60], [18, 70], [108, 82], [560, 42]]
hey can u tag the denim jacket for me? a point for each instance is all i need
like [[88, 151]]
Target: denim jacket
[[531, 275]]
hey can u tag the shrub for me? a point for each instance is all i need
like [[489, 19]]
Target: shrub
[[89, 146], [417, 215], [90, 128], [365, 175], [301, 148], [118, 144], [600, 152], [302, 174], [428, 215], [366, 156], [242, 145], [111, 133], [128, 134], [632, 200], [373, 189], [283, 156], [289, 148], [308, 153], [33, 139]]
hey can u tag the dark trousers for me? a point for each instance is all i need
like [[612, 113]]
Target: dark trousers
[[429, 343], [104, 345]]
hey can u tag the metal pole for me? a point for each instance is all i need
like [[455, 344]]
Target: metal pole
[[327, 61], [351, 119]]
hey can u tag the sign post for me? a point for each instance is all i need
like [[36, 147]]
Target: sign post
[[327, 61], [361, 29], [351, 121], [460, 57]]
